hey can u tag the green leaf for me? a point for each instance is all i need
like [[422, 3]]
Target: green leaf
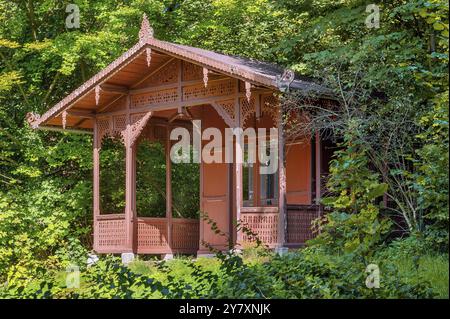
[[377, 191]]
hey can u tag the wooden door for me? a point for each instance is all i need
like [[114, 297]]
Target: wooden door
[[215, 201]]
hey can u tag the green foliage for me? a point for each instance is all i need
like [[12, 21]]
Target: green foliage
[[45, 177], [432, 171], [186, 189], [309, 273], [45, 205], [112, 177], [151, 179], [417, 263], [354, 224]]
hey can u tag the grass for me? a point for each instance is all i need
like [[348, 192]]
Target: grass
[[428, 268]]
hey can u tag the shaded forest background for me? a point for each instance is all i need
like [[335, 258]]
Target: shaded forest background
[[392, 121]]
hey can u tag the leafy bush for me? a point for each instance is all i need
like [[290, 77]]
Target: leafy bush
[[354, 224], [417, 262], [308, 273]]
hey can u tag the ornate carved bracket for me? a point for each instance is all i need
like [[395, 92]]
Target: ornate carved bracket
[[226, 111], [139, 121], [205, 76], [97, 94], [270, 106], [247, 108], [116, 127], [248, 92]]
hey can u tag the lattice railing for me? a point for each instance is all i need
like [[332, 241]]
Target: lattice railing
[[110, 233], [299, 223], [265, 225], [152, 235], [185, 235]]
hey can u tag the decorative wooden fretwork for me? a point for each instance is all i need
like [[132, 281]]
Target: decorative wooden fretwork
[[185, 234], [152, 233], [247, 109], [148, 56], [248, 92], [228, 106], [159, 97], [64, 119], [33, 119], [226, 111], [138, 123], [166, 75], [269, 107], [265, 225], [219, 88], [120, 123], [192, 71], [104, 128], [146, 33], [205, 76], [119, 127], [97, 94], [116, 126], [111, 234], [299, 223]]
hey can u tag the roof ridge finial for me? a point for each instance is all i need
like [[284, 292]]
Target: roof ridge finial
[[146, 31]]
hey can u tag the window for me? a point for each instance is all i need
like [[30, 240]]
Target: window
[[247, 180], [266, 191], [268, 186]]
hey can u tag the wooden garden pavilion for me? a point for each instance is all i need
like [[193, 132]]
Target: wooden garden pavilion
[[156, 86]]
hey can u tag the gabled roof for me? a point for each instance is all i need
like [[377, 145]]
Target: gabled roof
[[252, 71]]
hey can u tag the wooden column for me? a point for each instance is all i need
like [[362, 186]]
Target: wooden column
[[130, 185], [96, 179], [282, 208], [256, 175], [168, 189], [238, 167], [318, 155]]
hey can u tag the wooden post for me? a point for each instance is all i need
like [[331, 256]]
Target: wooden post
[[96, 180], [282, 209], [318, 156], [130, 178], [168, 190], [201, 236], [238, 167], [256, 175]]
